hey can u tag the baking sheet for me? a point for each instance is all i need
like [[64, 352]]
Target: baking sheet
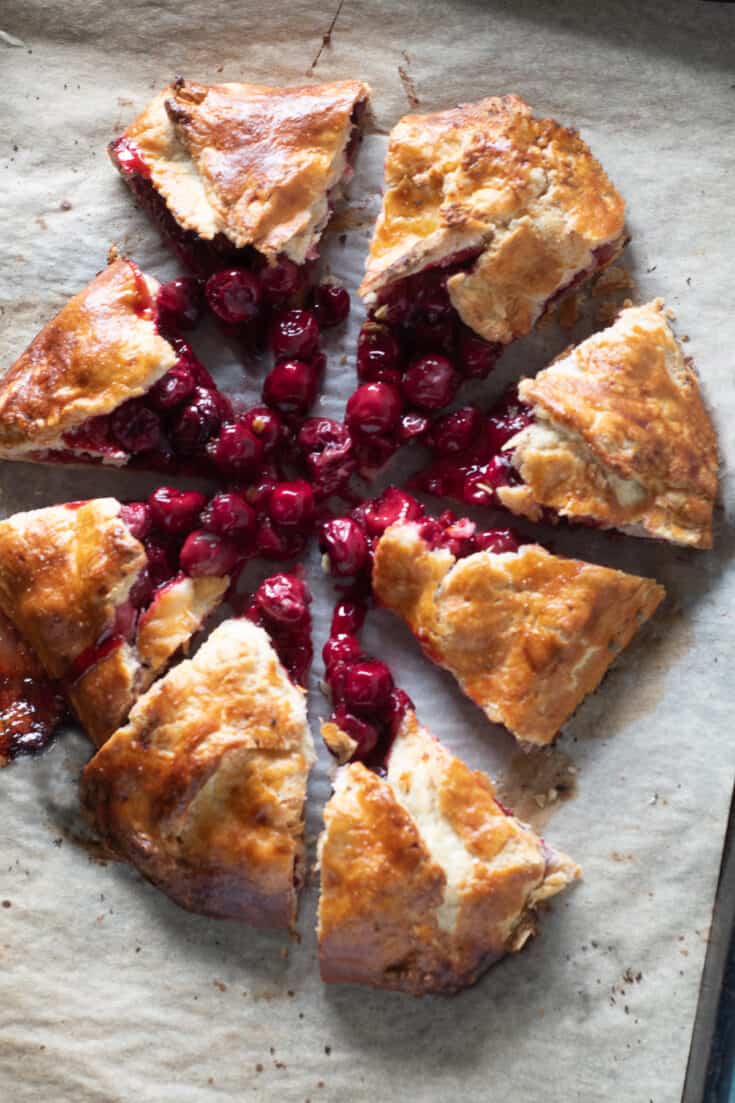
[[107, 990]]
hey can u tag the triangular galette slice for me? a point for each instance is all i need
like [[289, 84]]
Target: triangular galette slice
[[203, 790], [102, 384], [426, 880], [620, 435], [613, 433], [489, 212], [103, 610], [224, 167], [526, 634]]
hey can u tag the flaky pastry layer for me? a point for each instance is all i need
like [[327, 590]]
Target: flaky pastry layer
[[526, 634], [425, 880]]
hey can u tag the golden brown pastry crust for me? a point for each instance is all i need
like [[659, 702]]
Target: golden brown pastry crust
[[101, 349], [251, 162], [63, 572], [203, 790], [621, 436], [104, 695], [527, 635], [425, 881], [526, 192]]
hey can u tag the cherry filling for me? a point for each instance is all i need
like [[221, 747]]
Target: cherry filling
[[366, 703], [348, 543], [413, 354], [281, 606], [31, 704], [30, 711], [469, 463], [186, 534]]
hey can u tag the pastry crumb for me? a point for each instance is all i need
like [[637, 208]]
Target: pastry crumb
[[615, 278], [608, 311]]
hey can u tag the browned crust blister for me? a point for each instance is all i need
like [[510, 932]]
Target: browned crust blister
[[625, 437], [525, 192], [527, 635], [425, 881], [203, 790], [100, 350]]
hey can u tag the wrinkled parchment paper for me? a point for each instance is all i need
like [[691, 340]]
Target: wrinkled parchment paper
[[108, 992]]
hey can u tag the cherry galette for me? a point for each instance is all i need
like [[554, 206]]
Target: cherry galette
[[110, 381], [241, 174], [614, 433], [489, 215], [526, 634], [105, 593], [426, 879], [203, 789]]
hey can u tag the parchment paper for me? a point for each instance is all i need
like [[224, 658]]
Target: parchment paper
[[110, 992]]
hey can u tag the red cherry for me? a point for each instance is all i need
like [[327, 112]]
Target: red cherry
[[141, 591], [348, 618], [331, 304], [236, 451], [277, 543], [455, 432], [266, 425], [412, 426], [343, 541], [430, 382], [374, 408], [234, 295], [135, 427], [196, 422], [365, 734], [476, 358], [340, 649], [368, 685], [160, 568], [291, 505], [479, 487], [180, 302], [206, 554], [229, 514], [291, 386], [497, 540], [391, 507], [326, 446], [378, 355], [280, 280], [397, 305], [137, 516], [175, 511], [294, 335], [174, 388], [283, 599], [434, 298]]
